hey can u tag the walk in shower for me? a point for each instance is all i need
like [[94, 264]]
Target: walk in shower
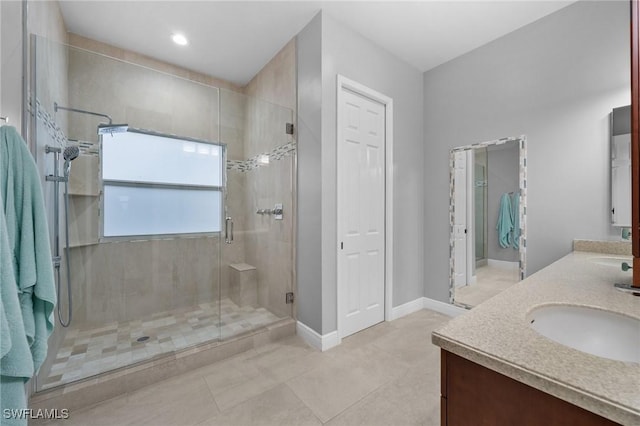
[[180, 222]]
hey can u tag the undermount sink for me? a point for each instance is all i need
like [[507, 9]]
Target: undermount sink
[[615, 262], [594, 331]]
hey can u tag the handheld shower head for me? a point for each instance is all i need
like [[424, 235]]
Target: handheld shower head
[[69, 154]]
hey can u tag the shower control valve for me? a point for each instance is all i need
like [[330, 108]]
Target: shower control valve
[[277, 211]]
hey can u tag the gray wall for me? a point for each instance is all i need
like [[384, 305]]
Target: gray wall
[[555, 80], [503, 176], [309, 232], [349, 54]]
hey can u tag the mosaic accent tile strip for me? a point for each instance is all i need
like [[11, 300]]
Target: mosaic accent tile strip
[[93, 148], [53, 129], [523, 207], [87, 352], [276, 154], [452, 212], [521, 140]]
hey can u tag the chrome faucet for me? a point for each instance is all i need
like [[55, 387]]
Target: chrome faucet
[[277, 211]]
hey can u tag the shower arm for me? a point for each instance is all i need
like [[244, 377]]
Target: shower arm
[[56, 107]]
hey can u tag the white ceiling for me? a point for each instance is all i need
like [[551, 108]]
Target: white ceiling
[[233, 40]]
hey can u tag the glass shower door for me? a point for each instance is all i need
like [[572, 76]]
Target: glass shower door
[[257, 260], [144, 285]]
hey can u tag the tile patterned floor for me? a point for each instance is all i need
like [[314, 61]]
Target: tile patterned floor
[[87, 352], [388, 374]]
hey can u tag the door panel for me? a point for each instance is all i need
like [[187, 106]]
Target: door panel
[[361, 204], [460, 219]]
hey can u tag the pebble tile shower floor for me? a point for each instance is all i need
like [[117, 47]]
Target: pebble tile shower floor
[[87, 352]]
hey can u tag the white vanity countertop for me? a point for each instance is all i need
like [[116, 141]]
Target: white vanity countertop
[[496, 334]]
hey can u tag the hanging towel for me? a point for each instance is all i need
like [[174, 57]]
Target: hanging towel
[[505, 221], [15, 363], [515, 240], [25, 233]]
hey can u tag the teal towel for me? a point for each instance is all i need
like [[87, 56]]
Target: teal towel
[[505, 221], [27, 237], [515, 241], [13, 397], [15, 363]]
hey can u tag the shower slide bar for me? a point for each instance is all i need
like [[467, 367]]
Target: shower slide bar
[[69, 154]]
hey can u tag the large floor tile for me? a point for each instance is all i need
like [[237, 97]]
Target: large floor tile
[[233, 382], [408, 400], [285, 362], [277, 406], [386, 375], [171, 402], [412, 345], [343, 379]]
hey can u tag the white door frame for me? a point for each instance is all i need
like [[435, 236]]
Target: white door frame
[[345, 83]]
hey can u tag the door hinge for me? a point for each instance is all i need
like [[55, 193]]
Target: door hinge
[[289, 129], [289, 297]]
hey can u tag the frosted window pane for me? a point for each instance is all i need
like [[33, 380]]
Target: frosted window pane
[[156, 211], [137, 157]]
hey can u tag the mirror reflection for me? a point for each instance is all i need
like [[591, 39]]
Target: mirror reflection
[[488, 215]]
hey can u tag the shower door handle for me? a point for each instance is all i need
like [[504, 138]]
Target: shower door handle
[[228, 230]]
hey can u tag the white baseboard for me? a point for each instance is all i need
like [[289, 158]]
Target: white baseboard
[[444, 308], [425, 303], [318, 341], [329, 340], [406, 309], [503, 264]]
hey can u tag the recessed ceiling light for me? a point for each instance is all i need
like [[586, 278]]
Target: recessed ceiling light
[[179, 39]]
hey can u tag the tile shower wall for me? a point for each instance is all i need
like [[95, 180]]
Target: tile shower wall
[[125, 280], [270, 247], [146, 99], [232, 133], [45, 20]]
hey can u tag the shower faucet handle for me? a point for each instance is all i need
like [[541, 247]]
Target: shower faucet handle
[[277, 211]]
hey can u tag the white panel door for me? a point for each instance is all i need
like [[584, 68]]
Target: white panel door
[[460, 219], [361, 213]]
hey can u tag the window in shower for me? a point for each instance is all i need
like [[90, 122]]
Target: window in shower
[[160, 185]]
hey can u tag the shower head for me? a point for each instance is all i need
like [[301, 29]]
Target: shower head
[[107, 129], [70, 153]]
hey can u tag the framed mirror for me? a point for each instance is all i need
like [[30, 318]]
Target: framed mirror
[[488, 205]]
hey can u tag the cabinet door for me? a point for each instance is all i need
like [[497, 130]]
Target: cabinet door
[[475, 395]]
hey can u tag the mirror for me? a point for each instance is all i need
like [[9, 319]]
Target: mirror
[[487, 246], [621, 167]]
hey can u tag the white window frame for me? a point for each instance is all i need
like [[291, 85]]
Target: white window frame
[[135, 184]]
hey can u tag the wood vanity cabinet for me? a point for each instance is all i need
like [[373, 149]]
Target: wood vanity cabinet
[[475, 395]]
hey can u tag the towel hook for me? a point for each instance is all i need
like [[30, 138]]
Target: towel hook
[[5, 119]]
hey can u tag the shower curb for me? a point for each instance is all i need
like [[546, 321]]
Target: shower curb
[[108, 385]]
